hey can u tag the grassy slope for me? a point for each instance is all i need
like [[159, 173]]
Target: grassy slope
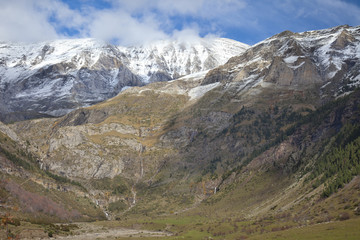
[[312, 217]]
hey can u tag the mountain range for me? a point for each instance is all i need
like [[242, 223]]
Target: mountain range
[[214, 138], [56, 77]]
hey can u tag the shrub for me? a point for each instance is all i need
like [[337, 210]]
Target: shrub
[[34, 203], [118, 206], [344, 216]]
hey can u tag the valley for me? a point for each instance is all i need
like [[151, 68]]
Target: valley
[[265, 145]]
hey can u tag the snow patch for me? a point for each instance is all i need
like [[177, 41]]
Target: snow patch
[[357, 78], [296, 67], [355, 82], [323, 86], [291, 59], [332, 74], [200, 91], [125, 88], [58, 112], [194, 76]]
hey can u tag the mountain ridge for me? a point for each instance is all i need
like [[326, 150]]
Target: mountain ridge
[[298, 54], [73, 73]]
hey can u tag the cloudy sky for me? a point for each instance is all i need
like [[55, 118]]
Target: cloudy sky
[[130, 22]]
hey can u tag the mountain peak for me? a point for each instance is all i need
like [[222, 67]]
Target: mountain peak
[[172, 58]]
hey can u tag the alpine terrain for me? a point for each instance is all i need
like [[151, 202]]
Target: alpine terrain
[[53, 78], [211, 139]]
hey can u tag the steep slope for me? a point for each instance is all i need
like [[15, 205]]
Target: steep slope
[[166, 60]]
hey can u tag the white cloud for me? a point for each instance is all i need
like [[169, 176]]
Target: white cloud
[[22, 22], [123, 28], [181, 7], [162, 14], [186, 35], [65, 17], [137, 21], [167, 7], [36, 20]]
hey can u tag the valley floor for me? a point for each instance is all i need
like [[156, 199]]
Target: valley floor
[[184, 228], [89, 231], [79, 231]]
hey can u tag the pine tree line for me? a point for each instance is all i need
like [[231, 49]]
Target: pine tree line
[[338, 167]]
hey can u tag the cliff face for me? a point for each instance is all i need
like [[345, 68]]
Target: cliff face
[[29, 193]]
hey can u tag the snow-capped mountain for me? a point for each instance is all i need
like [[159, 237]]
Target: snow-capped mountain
[[58, 76], [165, 60], [326, 60]]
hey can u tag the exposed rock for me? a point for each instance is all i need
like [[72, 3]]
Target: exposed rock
[[10, 133], [160, 77], [305, 75], [83, 116], [343, 40]]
